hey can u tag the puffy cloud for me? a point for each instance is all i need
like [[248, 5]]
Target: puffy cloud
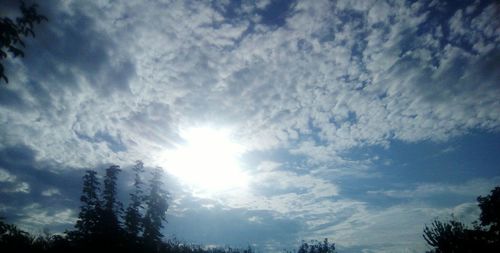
[[36, 218], [115, 82], [321, 83]]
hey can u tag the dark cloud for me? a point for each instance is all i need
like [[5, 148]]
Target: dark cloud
[[306, 85], [21, 164], [71, 46]]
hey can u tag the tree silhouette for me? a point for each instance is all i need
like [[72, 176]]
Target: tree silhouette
[[156, 208], [12, 33], [98, 228], [315, 246], [89, 218], [490, 210], [99, 221], [13, 239], [111, 207], [490, 216], [133, 217], [454, 237]]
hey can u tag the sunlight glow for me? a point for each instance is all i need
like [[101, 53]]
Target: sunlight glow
[[208, 161]]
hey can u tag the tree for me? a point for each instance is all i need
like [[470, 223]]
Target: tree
[[133, 217], [490, 210], [156, 208], [490, 216], [12, 33], [89, 218], [111, 228], [315, 246], [454, 237], [13, 239], [91, 234]]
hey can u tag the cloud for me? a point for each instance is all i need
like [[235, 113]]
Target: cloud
[[10, 183], [470, 188], [402, 226], [36, 218], [51, 192], [318, 84], [5, 176], [115, 82], [37, 194]]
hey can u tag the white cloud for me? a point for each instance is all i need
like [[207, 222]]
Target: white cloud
[[10, 183], [5, 176], [304, 80], [124, 78], [399, 227], [36, 217], [471, 188], [20, 187], [51, 192], [276, 86], [262, 4]]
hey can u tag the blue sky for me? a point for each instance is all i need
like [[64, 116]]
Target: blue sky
[[360, 121]]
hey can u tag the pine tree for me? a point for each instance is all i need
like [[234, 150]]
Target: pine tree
[[88, 222], [156, 208], [111, 206], [133, 217]]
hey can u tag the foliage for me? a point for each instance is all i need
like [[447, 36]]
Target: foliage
[[100, 228], [133, 217], [315, 246], [454, 237], [13, 239], [111, 206], [88, 223], [111, 234], [109, 194], [156, 208], [490, 210], [12, 33]]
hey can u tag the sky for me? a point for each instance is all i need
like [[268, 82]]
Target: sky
[[275, 121]]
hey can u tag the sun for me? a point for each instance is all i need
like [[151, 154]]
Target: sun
[[208, 160]]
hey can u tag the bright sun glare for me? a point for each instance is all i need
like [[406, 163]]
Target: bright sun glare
[[208, 160]]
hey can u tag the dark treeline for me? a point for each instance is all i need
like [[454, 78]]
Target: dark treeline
[[104, 224], [455, 237]]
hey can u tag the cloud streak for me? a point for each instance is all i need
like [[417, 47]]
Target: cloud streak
[[312, 80]]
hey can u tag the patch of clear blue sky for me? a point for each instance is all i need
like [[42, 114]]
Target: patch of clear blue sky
[[403, 165], [276, 12], [273, 14], [474, 155]]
